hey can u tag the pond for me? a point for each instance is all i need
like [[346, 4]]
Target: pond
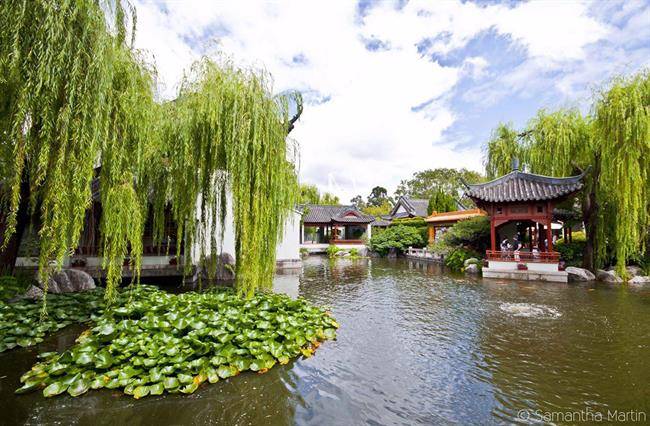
[[416, 345]]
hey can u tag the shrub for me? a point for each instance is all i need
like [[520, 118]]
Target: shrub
[[354, 253], [572, 252], [456, 258], [332, 250], [398, 237], [304, 252], [472, 233]]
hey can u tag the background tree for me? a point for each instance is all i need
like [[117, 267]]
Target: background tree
[[378, 196], [615, 141], [330, 199], [75, 95], [425, 184], [383, 209], [309, 194], [441, 202], [358, 202], [502, 148]]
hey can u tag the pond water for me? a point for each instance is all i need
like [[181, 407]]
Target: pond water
[[416, 346]]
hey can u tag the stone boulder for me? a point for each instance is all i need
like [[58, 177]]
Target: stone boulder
[[33, 293], [69, 281], [640, 279], [472, 269], [579, 274], [633, 271], [225, 267], [608, 276]]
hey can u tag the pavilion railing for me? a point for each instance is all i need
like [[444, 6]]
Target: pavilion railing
[[523, 256], [333, 241]]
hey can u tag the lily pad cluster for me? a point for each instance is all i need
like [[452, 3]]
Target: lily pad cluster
[[21, 324], [162, 342]]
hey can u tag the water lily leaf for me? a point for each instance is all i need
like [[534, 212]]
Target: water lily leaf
[[156, 389], [55, 388], [141, 391], [113, 384], [98, 383], [25, 342], [213, 377], [84, 358], [330, 333], [225, 371], [241, 364], [150, 362], [191, 388], [185, 378], [171, 383], [29, 386], [106, 330], [218, 360], [103, 360], [168, 369], [78, 387]]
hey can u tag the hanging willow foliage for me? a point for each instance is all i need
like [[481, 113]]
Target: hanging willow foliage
[[227, 135], [78, 103], [622, 130], [502, 147], [615, 140]]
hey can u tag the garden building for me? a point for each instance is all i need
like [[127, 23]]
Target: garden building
[[406, 207], [521, 209], [323, 225], [438, 223]]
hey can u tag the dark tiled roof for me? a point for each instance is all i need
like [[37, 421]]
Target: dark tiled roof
[[317, 213], [414, 207], [520, 186], [379, 221]]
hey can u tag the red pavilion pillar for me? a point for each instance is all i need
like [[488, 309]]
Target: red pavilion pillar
[[493, 235]]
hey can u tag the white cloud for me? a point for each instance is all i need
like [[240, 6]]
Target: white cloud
[[362, 127]]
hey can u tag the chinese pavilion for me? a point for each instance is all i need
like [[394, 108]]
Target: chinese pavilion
[[524, 203]]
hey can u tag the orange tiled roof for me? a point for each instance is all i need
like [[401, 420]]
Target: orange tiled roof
[[455, 216]]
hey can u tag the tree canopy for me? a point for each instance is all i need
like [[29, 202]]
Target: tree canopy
[[441, 202], [78, 103], [427, 183], [614, 139]]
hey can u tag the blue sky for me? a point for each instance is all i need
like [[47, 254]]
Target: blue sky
[[396, 87]]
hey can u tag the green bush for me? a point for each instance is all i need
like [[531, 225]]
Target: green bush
[[472, 233], [399, 237], [456, 258], [572, 252], [332, 250]]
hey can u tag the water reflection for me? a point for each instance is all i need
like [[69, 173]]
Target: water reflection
[[417, 345]]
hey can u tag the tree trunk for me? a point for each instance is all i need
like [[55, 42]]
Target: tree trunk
[[590, 216], [9, 254]]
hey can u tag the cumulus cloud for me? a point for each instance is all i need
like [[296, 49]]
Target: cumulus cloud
[[378, 91]]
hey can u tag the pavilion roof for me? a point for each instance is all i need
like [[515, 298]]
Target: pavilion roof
[[521, 186], [414, 206], [454, 216], [318, 213]]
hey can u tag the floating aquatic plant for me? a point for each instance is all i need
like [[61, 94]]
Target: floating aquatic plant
[[161, 342], [21, 324]]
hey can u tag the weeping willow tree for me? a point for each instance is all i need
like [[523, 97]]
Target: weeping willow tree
[[78, 104], [502, 147], [226, 139], [615, 141]]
